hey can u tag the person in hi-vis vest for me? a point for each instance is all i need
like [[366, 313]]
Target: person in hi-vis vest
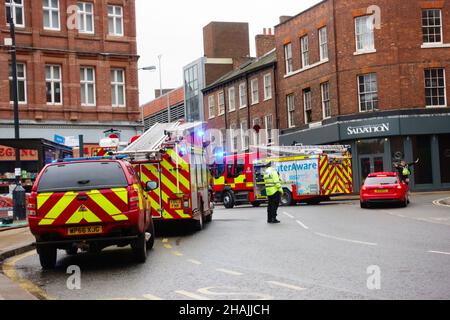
[[274, 192]]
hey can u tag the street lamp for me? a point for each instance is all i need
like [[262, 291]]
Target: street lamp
[[19, 192], [149, 68], [161, 90]]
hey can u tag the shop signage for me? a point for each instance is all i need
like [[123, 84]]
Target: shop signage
[[369, 129], [9, 154], [59, 139]]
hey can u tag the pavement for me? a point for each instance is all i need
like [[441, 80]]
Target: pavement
[[13, 242], [318, 252]]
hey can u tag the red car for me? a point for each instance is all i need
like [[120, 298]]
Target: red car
[[384, 187]]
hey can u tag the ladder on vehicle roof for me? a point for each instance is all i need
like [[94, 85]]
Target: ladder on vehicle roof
[[307, 150]]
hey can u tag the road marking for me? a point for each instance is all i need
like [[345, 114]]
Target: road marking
[[288, 215], [151, 297], [346, 240], [165, 240], [285, 285], [9, 269], [302, 225], [194, 261], [440, 252], [438, 202], [177, 253], [233, 273], [192, 295], [167, 246]]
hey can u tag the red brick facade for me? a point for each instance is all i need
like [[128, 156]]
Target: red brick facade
[[71, 50], [398, 59]]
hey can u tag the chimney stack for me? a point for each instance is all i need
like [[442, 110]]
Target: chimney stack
[[264, 42]]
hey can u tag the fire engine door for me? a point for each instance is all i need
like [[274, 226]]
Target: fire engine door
[[152, 172]]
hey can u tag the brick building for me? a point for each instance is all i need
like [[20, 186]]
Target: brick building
[[371, 74], [156, 111], [244, 98], [76, 76]]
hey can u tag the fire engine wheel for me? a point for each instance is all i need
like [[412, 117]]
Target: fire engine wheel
[[256, 204], [47, 257], [198, 224], [228, 200], [151, 241], [139, 247], [286, 198]]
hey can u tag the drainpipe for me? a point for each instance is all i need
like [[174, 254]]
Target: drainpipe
[[336, 60]]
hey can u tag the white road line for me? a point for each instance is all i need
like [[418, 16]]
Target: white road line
[[285, 285], [346, 240], [192, 295], [440, 252], [233, 273], [167, 246], [194, 261], [302, 225], [177, 253], [151, 297], [438, 202], [288, 215], [165, 240]]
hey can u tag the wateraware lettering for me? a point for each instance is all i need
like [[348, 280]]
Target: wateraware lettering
[[374, 128]]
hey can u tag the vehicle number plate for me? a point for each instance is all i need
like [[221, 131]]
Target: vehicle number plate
[[382, 191], [79, 231], [175, 204]]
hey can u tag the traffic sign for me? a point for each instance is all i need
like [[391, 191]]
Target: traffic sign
[[59, 139]]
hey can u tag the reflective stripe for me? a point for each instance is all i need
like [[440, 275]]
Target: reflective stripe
[[107, 205], [79, 216], [42, 199], [61, 205]]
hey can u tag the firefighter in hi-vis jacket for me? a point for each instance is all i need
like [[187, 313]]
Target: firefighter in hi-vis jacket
[[274, 192]]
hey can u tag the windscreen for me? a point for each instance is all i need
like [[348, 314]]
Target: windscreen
[[82, 177], [375, 181]]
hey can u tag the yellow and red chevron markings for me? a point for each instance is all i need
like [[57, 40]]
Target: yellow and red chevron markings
[[336, 178], [173, 181], [97, 206]]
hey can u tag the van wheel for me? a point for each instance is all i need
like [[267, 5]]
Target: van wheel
[[209, 218], [47, 257], [228, 200], [151, 241], [286, 198], [139, 247]]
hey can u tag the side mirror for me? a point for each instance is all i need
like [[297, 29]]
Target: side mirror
[[151, 185]]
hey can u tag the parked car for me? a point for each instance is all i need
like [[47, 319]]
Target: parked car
[[90, 204], [383, 188]]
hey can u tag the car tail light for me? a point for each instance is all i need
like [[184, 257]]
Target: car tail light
[[32, 206], [133, 199], [399, 187]]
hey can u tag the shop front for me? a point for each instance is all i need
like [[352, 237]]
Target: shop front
[[378, 142]]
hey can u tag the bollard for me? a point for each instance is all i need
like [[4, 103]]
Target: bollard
[[19, 202]]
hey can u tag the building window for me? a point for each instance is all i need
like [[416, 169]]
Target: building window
[[290, 101], [323, 43], [16, 8], [231, 99], [221, 103], [87, 81], [326, 100], [51, 14], [368, 92], [118, 87], [244, 135], [288, 58], [307, 105], [268, 86], [211, 106], [255, 91], [365, 37], [21, 83], [435, 94], [233, 138], [432, 26], [242, 95], [115, 20], [53, 81], [85, 17], [304, 43], [269, 129]]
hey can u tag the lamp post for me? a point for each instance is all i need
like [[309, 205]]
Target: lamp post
[[19, 192], [149, 68], [161, 90]]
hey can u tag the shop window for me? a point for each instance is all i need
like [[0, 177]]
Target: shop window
[[397, 148], [444, 155], [372, 146], [423, 172]]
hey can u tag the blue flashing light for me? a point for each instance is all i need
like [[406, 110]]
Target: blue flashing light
[[201, 133], [119, 157]]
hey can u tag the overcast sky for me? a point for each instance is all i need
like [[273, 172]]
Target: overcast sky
[[174, 28]]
